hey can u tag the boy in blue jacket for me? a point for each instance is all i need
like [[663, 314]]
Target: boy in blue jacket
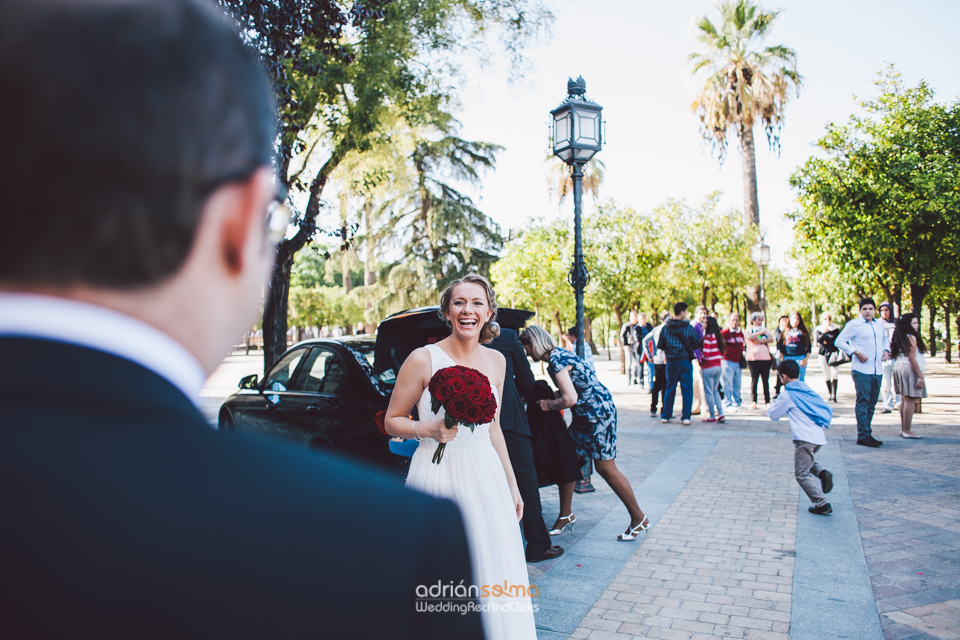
[[808, 415]]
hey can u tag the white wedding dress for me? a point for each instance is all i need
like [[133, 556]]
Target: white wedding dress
[[471, 475]]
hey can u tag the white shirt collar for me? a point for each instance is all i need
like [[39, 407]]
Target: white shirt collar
[[88, 325]]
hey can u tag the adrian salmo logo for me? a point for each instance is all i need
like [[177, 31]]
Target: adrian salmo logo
[[462, 598]]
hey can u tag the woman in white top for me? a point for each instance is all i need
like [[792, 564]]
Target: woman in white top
[[907, 349]]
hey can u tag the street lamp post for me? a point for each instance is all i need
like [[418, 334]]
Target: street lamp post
[[576, 138], [761, 256]]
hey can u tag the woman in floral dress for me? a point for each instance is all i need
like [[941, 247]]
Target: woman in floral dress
[[594, 426]]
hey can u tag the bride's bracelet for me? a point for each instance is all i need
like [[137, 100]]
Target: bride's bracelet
[[416, 430]]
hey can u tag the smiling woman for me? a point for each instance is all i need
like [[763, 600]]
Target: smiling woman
[[475, 471]]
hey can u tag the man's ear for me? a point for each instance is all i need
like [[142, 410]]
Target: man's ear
[[242, 214]]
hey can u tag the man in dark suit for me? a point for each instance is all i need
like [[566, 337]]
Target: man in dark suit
[[136, 243], [518, 379]]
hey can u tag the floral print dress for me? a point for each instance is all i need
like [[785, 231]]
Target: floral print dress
[[594, 426]]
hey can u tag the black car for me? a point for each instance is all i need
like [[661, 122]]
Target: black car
[[324, 393]]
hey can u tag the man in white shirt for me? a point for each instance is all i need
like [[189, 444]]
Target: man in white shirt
[[808, 415], [865, 340], [139, 231]]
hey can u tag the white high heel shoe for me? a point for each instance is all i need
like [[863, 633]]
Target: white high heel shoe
[[571, 519], [635, 532]]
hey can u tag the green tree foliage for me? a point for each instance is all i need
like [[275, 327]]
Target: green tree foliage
[[882, 209], [532, 272], [744, 83], [340, 72]]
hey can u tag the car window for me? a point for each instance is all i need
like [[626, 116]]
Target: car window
[[321, 373], [279, 378]]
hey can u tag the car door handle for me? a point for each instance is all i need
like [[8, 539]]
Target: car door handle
[[314, 409]]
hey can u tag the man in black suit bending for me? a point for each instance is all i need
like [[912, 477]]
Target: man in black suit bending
[[135, 245], [518, 380]]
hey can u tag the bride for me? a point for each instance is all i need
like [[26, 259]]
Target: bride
[[475, 471]]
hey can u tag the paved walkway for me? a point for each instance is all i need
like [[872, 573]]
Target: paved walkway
[[732, 552]]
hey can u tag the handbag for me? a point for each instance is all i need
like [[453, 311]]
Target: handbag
[[743, 361], [837, 358]]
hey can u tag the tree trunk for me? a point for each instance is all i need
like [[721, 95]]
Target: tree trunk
[[559, 321], [588, 335], [369, 264], [713, 305], [618, 314], [751, 204], [932, 346], [917, 293], [948, 345], [275, 310], [898, 300], [703, 294]]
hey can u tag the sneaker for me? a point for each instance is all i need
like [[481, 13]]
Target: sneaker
[[822, 510], [653, 413], [826, 481], [685, 421], [709, 420], [886, 410], [868, 442], [753, 405], [721, 419], [664, 420]]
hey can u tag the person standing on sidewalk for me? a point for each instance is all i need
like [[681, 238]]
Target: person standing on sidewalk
[[628, 337], [711, 355], [782, 325], [640, 331], [907, 350], [517, 381], [808, 416], [758, 357], [678, 340], [865, 341], [659, 359], [888, 394], [699, 325], [825, 336], [732, 376], [795, 343]]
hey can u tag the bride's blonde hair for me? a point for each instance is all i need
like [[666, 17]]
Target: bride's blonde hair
[[491, 329]]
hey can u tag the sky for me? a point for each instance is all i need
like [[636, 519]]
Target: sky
[[632, 54]]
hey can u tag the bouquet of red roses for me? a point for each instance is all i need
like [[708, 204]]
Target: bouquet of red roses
[[465, 396]]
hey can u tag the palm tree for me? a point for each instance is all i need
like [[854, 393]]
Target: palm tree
[[744, 83], [560, 180]]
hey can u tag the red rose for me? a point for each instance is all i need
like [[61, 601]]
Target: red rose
[[457, 385], [488, 411], [442, 393], [457, 408], [476, 394], [474, 414]]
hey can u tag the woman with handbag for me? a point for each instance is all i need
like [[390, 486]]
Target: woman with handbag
[[825, 334], [758, 357]]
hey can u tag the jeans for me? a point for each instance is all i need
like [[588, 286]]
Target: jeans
[[759, 372], [887, 393], [651, 374], [633, 366], [659, 386], [868, 392], [803, 368], [732, 379], [807, 471], [711, 391], [678, 371]]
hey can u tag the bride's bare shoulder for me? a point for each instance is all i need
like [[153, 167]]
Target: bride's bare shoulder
[[497, 366]]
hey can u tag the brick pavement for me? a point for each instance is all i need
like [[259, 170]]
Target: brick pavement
[[718, 565]]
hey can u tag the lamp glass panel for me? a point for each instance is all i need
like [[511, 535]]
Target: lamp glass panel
[[588, 128], [583, 153], [561, 130]]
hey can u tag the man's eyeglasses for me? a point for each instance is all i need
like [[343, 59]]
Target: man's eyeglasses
[[278, 216]]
